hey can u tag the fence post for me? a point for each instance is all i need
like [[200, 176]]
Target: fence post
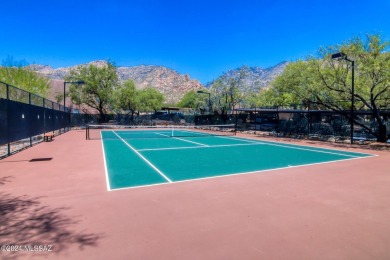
[[278, 121], [44, 116], [29, 102], [308, 120], [235, 123], [255, 122], [8, 130]]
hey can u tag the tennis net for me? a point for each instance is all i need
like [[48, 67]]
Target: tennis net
[[170, 131]]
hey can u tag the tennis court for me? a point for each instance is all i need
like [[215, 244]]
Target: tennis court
[[153, 156], [292, 213]]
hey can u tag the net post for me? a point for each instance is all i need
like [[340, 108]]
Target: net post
[[235, 124], [86, 132]]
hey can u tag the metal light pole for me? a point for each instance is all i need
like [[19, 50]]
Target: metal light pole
[[71, 82], [343, 56], [203, 92]]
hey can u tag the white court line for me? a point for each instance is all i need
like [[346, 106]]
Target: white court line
[[137, 132], [195, 147], [143, 158], [296, 145], [105, 164], [299, 148], [242, 173], [240, 139], [311, 150], [161, 134], [181, 139], [258, 143], [286, 146]]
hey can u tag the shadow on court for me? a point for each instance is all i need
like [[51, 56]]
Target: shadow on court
[[26, 220]]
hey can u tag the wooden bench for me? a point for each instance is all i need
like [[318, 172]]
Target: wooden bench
[[314, 137], [48, 137]]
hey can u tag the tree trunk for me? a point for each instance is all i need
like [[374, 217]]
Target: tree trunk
[[102, 117], [382, 134], [132, 115]]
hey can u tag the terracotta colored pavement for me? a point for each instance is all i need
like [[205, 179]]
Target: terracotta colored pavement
[[335, 210]]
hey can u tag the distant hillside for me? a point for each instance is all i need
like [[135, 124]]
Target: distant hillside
[[169, 82], [255, 77], [172, 84]]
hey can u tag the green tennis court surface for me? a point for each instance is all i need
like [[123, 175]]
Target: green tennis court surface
[[132, 161]]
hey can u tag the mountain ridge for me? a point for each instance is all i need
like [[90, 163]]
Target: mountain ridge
[[169, 82], [255, 78], [172, 84]]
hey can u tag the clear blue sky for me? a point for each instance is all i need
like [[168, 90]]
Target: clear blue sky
[[196, 37]]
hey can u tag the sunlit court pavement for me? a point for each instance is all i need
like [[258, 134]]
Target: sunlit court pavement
[[333, 210]]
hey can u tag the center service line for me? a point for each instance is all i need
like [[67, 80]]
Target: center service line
[[143, 158], [188, 141]]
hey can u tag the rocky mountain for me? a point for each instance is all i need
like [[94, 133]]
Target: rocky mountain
[[169, 82], [51, 73], [254, 78]]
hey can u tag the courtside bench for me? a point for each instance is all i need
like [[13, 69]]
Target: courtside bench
[[48, 137]]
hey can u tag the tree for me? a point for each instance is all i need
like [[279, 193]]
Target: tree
[[263, 98], [98, 88], [326, 83], [127, 98], [194, 100], [22, 76], [190, 99], [226, 92], [150, 99], [59, 97]]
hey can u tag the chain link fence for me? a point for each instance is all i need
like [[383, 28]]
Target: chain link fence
[[311, 124], [26, 117]]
